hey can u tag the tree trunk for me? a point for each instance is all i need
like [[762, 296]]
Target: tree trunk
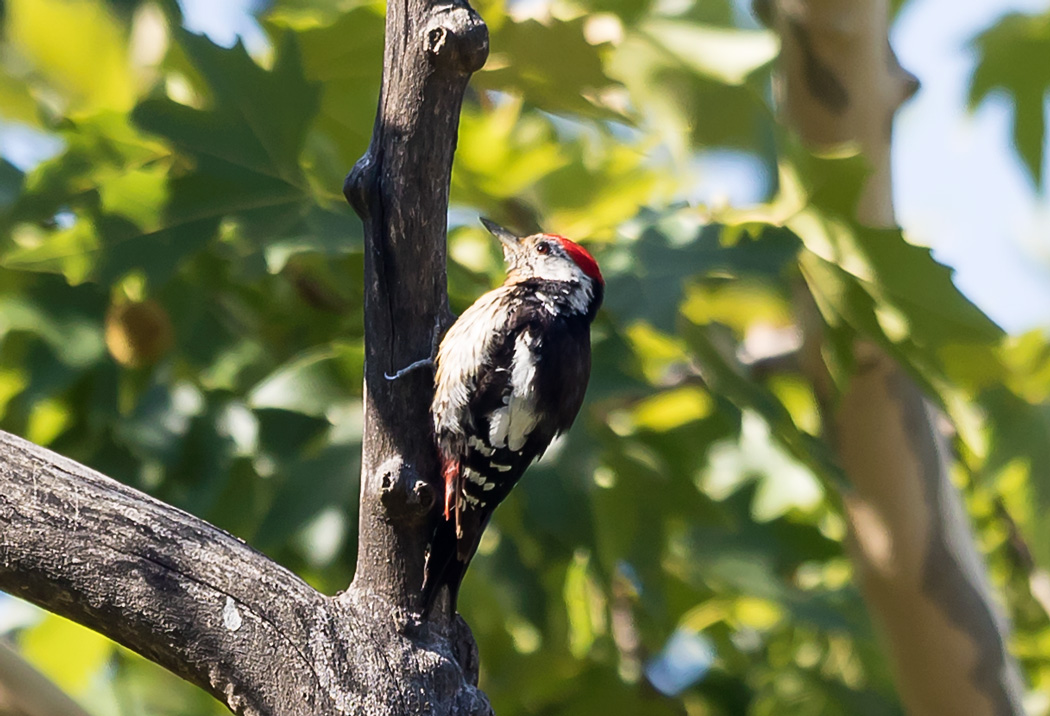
[[400, 190], [911, 544], [205, 605]]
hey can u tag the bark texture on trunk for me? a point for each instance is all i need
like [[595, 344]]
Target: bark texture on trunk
[[400, 190], [922, 577]]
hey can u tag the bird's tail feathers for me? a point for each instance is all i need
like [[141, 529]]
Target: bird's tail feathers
[[449, 556]]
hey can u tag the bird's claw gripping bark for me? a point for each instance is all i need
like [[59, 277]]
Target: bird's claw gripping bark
[[421, 363]]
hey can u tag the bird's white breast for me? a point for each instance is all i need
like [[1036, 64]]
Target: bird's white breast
[[461, 355]]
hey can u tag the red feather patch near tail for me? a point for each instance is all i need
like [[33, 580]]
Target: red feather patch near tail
[[451, 475]]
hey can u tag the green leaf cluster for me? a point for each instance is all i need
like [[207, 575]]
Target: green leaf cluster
[[180, 308], [1013, 59]]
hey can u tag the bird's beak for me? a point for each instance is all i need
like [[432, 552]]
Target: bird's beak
[[509, 240]]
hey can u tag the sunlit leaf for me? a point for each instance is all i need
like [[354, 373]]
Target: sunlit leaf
[[727, 55], [67, 653], [679, 80], [16, 101], [550, 65], [58, 35], [727, 377], [1012, 58], [310, 384], [673, 409], [344, 55], [1021, 435]]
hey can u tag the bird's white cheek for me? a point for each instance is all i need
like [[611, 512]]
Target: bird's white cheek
[[555, 269]]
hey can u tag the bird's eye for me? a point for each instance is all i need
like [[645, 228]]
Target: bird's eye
[[543, 247]]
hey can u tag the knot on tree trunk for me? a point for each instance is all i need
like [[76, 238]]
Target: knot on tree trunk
[[456, 38], [405, 494], [360, 184]]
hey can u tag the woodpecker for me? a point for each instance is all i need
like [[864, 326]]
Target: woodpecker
[[510, 376]]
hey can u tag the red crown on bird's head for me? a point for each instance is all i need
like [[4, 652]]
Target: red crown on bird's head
[[581, 256]]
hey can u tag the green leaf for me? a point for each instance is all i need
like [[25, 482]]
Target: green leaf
[[1014, 57], [681, 82], [503, 153], [726, 376], [724, 54], [309, 485], [98, 149], [157, 254], [256, 119], [647, 278], [157, 427], [552, 66], [67, 319], [740, 558], [11, 182], [313, 383], [584, 605], [1020, 439], [344, 56], [873, 282], [56, 36], [246, 147], [67, 653], [832, 183], [898, 276], [16, 101]]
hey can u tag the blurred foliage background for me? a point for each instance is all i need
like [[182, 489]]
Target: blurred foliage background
[[180, 308]]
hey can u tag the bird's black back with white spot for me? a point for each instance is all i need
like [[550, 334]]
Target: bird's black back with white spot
[[511, 375], [523, 397]]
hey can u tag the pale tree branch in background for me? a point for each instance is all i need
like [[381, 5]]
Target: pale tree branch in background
[[911, 543], [24, 691]]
